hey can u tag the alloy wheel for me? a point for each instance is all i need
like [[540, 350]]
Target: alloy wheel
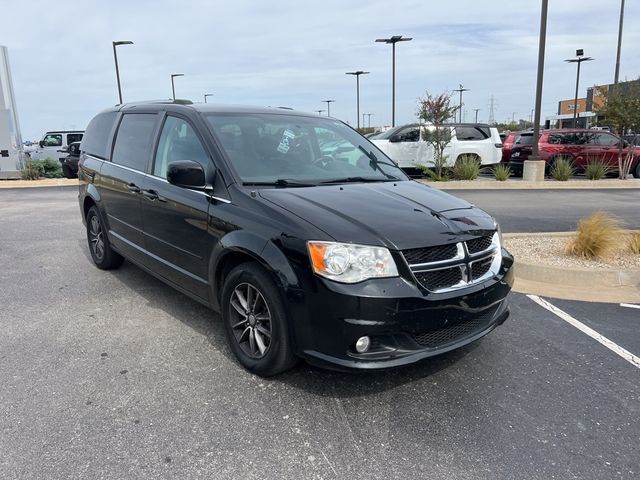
[[250, 320], [96, 240]]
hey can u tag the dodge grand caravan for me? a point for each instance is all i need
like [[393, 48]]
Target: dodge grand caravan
[[307, 250]]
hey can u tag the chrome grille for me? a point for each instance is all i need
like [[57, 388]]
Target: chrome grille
[[480, 244], [452, 266], [430, 254], [439, 279]]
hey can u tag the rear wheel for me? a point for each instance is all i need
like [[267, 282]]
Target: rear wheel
[[255, 321], [101, 252], [636, 172], [67, 172]]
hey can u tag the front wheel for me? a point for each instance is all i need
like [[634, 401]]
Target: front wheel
[[636, 172], [102, 254], [255, 321]]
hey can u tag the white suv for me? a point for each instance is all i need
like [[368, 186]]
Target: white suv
[[53, 144], [406, 146]]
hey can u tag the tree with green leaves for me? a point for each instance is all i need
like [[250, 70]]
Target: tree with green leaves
[[622, 114], [436, 111]]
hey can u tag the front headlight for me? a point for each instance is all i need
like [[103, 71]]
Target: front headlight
[[347, 263]]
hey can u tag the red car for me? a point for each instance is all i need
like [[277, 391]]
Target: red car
[[581, 146], [507, 145]]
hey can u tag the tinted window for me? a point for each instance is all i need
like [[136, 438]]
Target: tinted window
[[96, 138], [409, 134], [527, 140], [178, 141], [472, 133], [73, 137], [389, 133], [133, 142], [52, 140], [567, 139]]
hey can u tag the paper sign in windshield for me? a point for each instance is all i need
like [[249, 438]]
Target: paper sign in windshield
[[287, 136]]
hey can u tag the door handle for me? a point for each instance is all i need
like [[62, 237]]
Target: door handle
[[133, 188], [153, 195]]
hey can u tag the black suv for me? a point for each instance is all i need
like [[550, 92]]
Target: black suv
[[306, 238]]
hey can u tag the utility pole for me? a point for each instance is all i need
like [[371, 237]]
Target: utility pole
[[461, 89], [492, 111], [617, 74]]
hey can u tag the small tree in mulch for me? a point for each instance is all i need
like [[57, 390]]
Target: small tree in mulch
[[436, 110]]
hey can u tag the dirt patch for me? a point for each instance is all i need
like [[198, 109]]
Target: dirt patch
[[550, 251]]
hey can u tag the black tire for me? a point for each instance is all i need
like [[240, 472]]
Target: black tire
[[102, 254], [246, 323], [636, 172], [67, 172]]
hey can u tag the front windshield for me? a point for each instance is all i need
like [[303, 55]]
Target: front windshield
[[285, 149]]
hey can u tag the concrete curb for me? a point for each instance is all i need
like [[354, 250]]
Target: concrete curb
[[596, 285], [517, 184], [44, 182]]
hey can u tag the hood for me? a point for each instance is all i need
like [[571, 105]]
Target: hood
[[398, 215]]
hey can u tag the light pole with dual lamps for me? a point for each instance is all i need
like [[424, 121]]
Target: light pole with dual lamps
[[579, 59], [393, 40], [357, 74]]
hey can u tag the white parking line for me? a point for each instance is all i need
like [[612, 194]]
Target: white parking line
[[614, 347], [629, 305]]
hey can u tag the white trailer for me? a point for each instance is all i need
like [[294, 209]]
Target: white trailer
[[11, 151]]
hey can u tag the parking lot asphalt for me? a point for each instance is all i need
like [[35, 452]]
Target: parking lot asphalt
[[554, 210], [115, 375]]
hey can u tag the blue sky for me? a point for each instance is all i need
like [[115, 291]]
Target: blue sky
[[296, 53]]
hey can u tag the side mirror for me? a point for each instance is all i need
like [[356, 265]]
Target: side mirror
[[396, 138], [186, 174], [41, 143]]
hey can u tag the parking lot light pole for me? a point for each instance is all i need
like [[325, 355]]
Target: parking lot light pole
[[476, 110], [579, 59], [369, 117], [115, 58], [328, 102], [461, 89], [393, 40], [319, 112], [617, 74], [533, 168], [173, 87], [357, 74], [205, 96]]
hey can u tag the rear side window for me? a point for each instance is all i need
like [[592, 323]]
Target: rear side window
[[96, 137], [525, 140], [133, 141], [606, 140], [73, 137], [472, 133]]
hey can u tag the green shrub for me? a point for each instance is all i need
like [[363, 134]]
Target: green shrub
[[562, 169], [502, 172], [47, 168], [598, 236], [467, 167], [432, 174], [596, 169]]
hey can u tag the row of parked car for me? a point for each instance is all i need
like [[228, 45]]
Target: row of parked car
[[581, 146], [63, 145]]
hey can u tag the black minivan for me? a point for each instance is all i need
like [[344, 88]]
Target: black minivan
[[308, 240]]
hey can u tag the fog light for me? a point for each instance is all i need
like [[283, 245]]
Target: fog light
[[363, 344]]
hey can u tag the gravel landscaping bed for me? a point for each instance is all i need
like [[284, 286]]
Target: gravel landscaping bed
[[550, 251]]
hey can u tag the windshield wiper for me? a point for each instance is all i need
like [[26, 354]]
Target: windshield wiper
[[359, 180], [376, 163], [282, 182]]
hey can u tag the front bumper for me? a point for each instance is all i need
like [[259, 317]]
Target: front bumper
[[405, 323]]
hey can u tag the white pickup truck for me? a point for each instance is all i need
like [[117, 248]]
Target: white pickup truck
[[406, 146]]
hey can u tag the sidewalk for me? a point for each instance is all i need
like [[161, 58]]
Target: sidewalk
[[43, 182]]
